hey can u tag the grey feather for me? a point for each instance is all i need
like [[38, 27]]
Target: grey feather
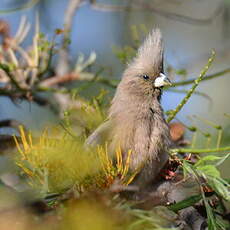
[[100, 135]]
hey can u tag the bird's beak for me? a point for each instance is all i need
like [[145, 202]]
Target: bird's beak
[[161, 81]]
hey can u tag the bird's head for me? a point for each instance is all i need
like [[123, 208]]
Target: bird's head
[[144, 75]]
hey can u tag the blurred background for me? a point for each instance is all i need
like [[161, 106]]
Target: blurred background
[[191, 29], [60, 63]]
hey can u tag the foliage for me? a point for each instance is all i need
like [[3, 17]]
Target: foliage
[[57, 162], [207, 174], [88, 115]]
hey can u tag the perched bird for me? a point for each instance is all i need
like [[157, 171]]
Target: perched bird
[[136, 119]]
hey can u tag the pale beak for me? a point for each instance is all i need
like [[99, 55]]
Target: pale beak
[[161, 81]]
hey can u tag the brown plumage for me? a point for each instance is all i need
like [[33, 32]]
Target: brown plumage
[[136, 120]]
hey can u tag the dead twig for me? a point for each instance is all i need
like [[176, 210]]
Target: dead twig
[[63, 62], [59, 79]]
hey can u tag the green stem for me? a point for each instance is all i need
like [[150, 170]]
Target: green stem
[[208, 142], [174, 112], [50, 57], [51, 90], [186, 91], [220, 133], [187, 150], [6, 69], [194, 137], [108, 82], [207, 77], [208, 122], [114, 82]]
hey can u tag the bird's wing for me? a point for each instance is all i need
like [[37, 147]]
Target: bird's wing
[[149, 150], [141, 143], [100, 135]]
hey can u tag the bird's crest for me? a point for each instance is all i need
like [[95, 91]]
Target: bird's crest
[[150, 53]]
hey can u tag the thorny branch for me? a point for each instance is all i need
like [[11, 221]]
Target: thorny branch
[[173, 113]]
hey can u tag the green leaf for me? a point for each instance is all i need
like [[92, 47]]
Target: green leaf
[[211, 160], [5, 67], [222, 224], [209, 170], [181, 72], [187, 168], [185, 203], [222, 159], [212, 225], [219, 186]]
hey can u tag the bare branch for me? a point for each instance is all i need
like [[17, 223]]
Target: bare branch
[[9, 123], [63, 62], [59, 79]]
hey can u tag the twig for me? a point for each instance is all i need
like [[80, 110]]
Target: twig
[[215, 126], [50, 57], [41, 101], [10, 123], [114, 82], [206, 78], [51, 90], [14, 81], [59, 79], [198, 93], [4, 32], [187, 150], [108, 82], [63, 63], [174, 112]]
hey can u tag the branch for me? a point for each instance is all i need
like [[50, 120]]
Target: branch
[[45, 102], [63, 63], [198, 93], [59, 79], [114, 82], [5, 33], [187, 150], [206, 78], [8, 123], [174, 112], [12, 79]]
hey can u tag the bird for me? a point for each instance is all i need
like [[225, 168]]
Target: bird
[[135, 119]]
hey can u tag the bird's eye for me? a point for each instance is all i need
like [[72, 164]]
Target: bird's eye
[[146, 77]]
